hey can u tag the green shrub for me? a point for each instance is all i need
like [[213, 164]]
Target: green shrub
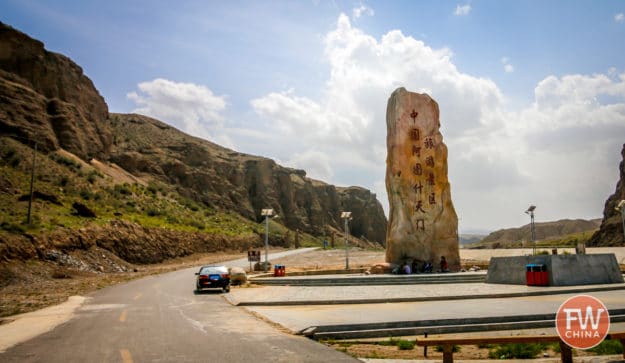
[[74, 165], [608, 347], [454, 349], [123, 189], [15, 161], [154, 212], [405, 344], [63, 180], [85, 194], [92, 176], [12, 227], [518, 351]]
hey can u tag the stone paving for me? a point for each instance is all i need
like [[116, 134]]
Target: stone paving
[[330, 294]]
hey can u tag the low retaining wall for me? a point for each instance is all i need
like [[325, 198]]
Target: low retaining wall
[[563, 270]]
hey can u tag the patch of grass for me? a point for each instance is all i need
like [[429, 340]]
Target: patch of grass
[[405, 344], [12, 227], [608, 347], [516, 351]]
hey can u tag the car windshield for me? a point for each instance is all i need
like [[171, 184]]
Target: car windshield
[[213, 270]]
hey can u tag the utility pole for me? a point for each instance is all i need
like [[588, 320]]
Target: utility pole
[[346, 216]]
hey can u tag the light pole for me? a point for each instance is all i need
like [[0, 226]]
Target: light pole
[[267, 213], [530, 211], [621, 208], [346, 216]]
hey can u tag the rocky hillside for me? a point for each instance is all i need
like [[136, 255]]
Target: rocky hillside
[[139, 171], [225, 179], [611, 231], [545, 230]]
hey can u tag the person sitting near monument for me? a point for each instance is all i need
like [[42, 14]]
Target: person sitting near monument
[[415, 266], [406, 269], [427, 268], [444, 265]]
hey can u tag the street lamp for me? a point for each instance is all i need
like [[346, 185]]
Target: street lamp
[[266, 213], [346, 216], [530, 211], [621, 208]]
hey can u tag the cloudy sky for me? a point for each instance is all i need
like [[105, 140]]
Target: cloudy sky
[[532, 94]]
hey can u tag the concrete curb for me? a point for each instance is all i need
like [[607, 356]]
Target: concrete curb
[[420, 299], [444, 326]]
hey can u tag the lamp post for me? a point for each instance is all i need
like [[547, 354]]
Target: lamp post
[[267, 213], [530, 211], [346, 216], [621, 208]]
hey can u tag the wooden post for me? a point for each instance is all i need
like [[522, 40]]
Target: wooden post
[[623, 345], [566, 355], [448, 353]]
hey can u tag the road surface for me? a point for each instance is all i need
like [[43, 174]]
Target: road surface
[[161, 319]]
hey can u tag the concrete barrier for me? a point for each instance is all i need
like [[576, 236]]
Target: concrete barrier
[[563, 270]]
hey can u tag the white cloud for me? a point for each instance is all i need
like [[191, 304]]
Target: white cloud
[[189, 107], [462, 10], [619, 18], [362, 10], [507, 66], [316, 164], [561, 152]]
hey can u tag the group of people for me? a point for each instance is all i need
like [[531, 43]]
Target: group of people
[[407, 269]]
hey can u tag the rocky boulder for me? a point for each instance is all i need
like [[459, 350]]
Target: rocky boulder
[[611, 230], [237, 276]]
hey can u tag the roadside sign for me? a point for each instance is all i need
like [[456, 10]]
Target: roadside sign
[[253, 256]]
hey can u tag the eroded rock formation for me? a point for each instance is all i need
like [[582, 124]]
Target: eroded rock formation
[[611, 231], [422, 221]]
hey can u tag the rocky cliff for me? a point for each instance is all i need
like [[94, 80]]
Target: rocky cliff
[[225, 179], [45, 97], [611, 231]]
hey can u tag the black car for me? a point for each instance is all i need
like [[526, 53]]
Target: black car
[[213, 277]]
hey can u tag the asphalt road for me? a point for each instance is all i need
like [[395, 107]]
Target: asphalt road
[[161, 319]]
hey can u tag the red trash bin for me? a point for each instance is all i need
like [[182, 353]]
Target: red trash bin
[[542, 275], [529, 275]]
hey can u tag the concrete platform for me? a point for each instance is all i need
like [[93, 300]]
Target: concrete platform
[[345, 312], [562, 270]]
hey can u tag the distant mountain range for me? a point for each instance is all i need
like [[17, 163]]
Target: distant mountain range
[[544, 231]]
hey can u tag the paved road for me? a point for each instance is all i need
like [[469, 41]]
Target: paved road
[[161, 319]]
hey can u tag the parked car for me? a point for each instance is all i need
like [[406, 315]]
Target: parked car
[[213, 277]]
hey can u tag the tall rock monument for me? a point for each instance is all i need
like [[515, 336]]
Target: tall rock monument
[[422, 224]]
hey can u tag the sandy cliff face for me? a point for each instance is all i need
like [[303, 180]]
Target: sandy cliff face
[[226, 179], [611, 231], [46, 97]]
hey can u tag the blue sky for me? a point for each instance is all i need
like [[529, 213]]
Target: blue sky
[[532, 94]]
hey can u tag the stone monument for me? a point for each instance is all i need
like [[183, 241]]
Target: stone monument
[[422, 224]]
